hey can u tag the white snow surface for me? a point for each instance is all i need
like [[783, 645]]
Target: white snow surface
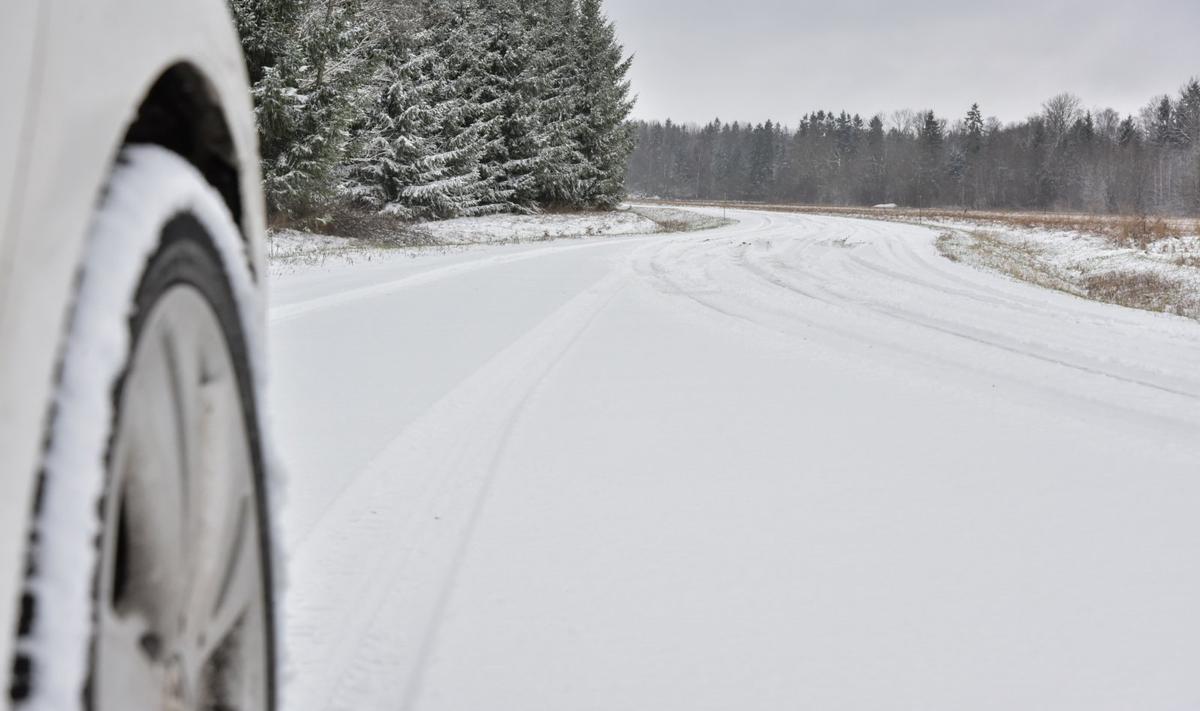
[[283, 245], [798, 462], [291, 251], [524, 228], [149, 187]]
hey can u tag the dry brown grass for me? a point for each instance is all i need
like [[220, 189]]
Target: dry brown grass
[[1024, 260], [368, 227], [1143, 231], [1135, 288], [1143, 290]]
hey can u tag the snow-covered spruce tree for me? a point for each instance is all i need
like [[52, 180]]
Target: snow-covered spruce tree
[[440, 130], [269, 33], [559, 174], [503, 91], [309, 68], [267, 29], [338, 43], [392, 138], [436, 119], [437, 108], [604, 136]]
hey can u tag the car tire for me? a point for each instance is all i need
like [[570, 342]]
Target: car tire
[[177, 611]]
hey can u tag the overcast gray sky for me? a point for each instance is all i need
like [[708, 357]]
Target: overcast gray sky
[[778, 59]]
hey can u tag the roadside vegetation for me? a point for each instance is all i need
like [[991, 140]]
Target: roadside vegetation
[[374, 113], [381, 238], [1161, 275]]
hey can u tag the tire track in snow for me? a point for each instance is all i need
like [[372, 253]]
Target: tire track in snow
[[439, 471], [412, 695], [875, 287], [373, 574], [980, 336]]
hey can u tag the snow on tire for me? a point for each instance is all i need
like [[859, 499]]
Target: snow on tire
[[147, 589]]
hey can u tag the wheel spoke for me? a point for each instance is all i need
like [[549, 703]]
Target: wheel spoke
[[146, 495], [241, 591], [224, 531]]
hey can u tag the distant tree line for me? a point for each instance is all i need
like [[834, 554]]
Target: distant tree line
[[1064, 158], [437, 108]]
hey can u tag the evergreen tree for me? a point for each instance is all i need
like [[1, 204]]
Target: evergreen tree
[[447, 101], [761, 163], [309, 96], [438, 108], [399, 147], [875, 184], [559, 176], [1187, 127], [267, 29], [973, 128], [507, 103], [972, 148], [931, 141], [604, 137]]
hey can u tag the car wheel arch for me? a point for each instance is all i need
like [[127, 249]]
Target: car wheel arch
[[182, 112]]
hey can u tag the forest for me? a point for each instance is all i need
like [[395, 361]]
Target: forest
[[426, 109], [1065, 158]]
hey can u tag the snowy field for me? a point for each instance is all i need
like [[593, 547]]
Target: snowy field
[[796, 462]]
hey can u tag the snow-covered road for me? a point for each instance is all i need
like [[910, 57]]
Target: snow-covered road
[[799, 462]]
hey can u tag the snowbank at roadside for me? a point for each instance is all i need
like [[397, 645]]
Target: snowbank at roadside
[[503, 229], [676, 219], [290, 250], [285, 245], [1165, 276]]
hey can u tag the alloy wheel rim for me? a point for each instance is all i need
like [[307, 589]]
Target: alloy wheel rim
[[181, 618]]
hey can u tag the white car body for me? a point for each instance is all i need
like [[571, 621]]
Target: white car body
[[73, 76]]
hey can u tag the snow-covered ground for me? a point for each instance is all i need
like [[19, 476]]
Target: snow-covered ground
[[797, 462], [294, 250], [673, 219], [501, 229], [1165, 276], [298, 246], [1151, 263]]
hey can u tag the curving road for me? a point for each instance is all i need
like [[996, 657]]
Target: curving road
[[798, 462]]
